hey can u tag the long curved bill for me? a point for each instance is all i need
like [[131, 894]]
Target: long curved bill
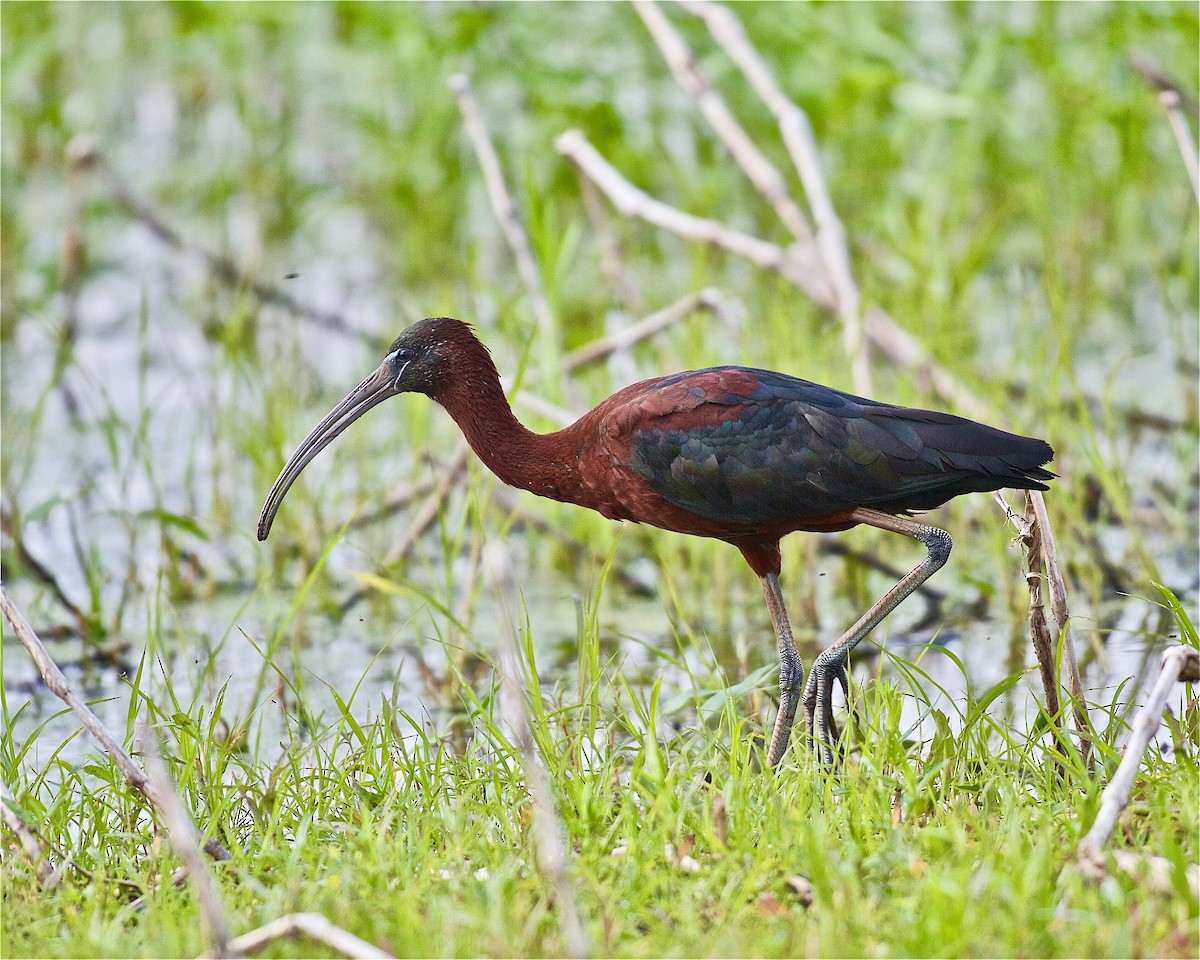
[[371, 392]]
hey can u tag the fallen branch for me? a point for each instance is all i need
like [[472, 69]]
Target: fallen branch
[[59, 686], [801, 144], [1039, 630], [763, 174], [185, 838], [311, 925], [1062, 616], [795, 264], [502, 205], [1179, 664]]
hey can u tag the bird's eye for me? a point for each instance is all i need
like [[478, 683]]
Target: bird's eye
[[401, 355]]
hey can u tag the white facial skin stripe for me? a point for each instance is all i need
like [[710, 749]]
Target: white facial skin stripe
[[396, 382]]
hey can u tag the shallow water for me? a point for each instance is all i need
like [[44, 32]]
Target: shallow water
[[159, 377]]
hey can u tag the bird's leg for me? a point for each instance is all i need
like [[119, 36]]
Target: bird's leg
[[831, 662], [791, 670]]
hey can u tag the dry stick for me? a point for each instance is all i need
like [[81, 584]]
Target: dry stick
[[1043, 644], [801, 145], [1158, 78], [59, 686], [709, 299], [767, 180], [29, 841], [633, 202], [186, 840], [1183, 136], [1174, 100], [884, 332], [1062, 615], [88, 155], [502, 205], [548, 830], [312, 925], [1179, 663]]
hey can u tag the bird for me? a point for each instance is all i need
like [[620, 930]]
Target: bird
[[734, 453]]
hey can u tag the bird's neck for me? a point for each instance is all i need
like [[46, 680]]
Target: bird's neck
[[544, 464]]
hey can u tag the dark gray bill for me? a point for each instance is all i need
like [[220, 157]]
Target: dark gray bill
[[371, 392]]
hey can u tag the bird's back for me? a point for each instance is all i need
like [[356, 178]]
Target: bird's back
[[753, 449]]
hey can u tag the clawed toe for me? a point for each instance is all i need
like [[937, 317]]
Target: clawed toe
[[823, 732]]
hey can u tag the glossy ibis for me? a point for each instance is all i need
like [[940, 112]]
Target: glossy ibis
[[734, 453]]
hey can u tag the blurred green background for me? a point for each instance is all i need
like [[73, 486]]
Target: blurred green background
[[1011, 189]]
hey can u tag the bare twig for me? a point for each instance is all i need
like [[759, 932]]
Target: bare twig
[[1162, 81], [87, 154], [1175, 100], [548, 831], [1179, 663], [708, 299], [1062, 615], [30, 844], [794, 264], [59, 686], [1183, 136], [502, 205], [311, 925], [801, 145], [767, 180], [884, 333], [1039, 631], [186, 840]]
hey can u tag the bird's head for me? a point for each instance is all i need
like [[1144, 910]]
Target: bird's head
[[418, 361]]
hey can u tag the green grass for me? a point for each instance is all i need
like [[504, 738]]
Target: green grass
[[1013, 198], [958, 846]]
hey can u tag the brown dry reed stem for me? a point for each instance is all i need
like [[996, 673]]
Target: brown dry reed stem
[[1037, 539], [502, 205], [1039, 630], [1179, 664], [30, 845], [89, 156], [549, 834], [59, 686], [1062, 616], [185, 838], [312, 925], [797, 136], [1183, 136]]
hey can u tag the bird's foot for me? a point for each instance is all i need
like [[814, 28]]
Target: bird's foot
[[823, 732]]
